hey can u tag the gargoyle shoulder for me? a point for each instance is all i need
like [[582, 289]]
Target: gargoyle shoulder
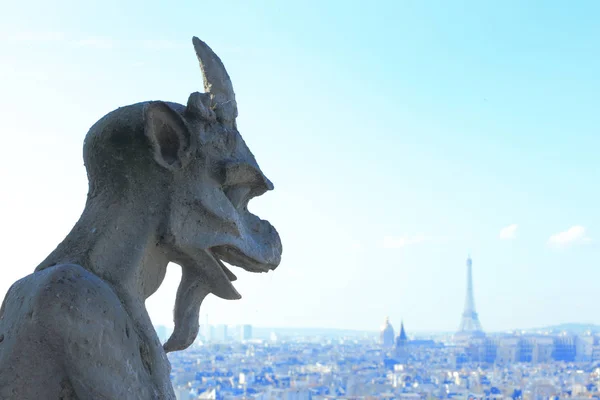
[[56, 295]]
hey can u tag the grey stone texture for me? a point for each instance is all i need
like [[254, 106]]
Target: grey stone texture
[[167, 183]]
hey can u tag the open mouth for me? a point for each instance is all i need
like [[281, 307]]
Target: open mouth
[[235, 257], [221, 282]]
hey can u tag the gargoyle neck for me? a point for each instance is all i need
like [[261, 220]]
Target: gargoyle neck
[[118, 243]]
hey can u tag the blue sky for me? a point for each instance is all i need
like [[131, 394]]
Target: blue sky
[[400, 136]]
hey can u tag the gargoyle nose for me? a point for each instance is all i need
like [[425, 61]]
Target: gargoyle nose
[[268, 184]]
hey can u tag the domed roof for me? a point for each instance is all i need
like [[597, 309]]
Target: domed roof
[[387, 333], [386, 325]]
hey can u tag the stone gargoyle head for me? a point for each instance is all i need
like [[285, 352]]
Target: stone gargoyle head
[[188, 172]]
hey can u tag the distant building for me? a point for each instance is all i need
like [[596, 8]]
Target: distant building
[[245, 332], [507, 350], [221, 333], [208, 333], [588, 348], [401, 348], [470, 326], [386, 337], [542, 350], [565, 348], [161, 332], [536, 349]]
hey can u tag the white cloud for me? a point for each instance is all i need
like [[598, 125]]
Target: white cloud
[[397, 242], [573, 235], [509, 232]]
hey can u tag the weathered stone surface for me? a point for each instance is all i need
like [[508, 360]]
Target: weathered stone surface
[[167, 183]]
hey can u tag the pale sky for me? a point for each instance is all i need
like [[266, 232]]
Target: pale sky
[[400, 136]]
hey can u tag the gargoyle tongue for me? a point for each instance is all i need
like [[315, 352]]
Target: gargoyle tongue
[[190, 294], [201, 275]]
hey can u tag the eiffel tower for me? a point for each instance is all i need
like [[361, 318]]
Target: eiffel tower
[[469, 324]]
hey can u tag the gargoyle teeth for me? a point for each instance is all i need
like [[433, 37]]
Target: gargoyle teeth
[[228, 272], [237, 258], [212, 274], [230, 275]]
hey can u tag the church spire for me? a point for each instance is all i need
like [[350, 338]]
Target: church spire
[[402, 335], [402, 352]]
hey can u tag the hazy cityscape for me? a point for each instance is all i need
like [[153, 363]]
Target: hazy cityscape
[[304, 200], [242, 362]]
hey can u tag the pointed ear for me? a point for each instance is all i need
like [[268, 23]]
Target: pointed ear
[[168, 134]]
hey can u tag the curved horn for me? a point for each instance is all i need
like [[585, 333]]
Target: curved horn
[[216, 82]]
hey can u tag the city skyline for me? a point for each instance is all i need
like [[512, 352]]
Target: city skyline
[[398, 137], [564, 327], [469, 326]]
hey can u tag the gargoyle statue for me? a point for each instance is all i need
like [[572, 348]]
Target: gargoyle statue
[[167, 183]]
